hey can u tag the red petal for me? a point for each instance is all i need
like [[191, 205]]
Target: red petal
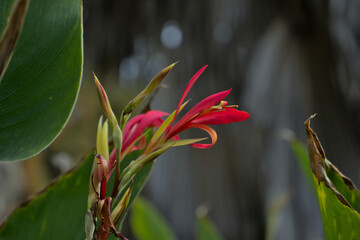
[[207, 129], [129, 125], [147, 120], [204, 104], [187, 90], [225, 116]]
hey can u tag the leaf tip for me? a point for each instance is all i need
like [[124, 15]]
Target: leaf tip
[[307, 122]]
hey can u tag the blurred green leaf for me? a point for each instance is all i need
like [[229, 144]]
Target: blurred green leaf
[[302, 157], [276, 207], [147, 223], [338, 197], [40, 85], [205, 229]]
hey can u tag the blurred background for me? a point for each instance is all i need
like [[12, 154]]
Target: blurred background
[[284, 59]]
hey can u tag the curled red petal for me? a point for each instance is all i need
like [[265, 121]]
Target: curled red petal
[[204, 104], [224, 116], [129, 126], [148, 119], [207, 129]]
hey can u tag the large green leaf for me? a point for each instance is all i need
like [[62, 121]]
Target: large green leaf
[[339, 199], [302, 158], [58, 212], [40, 85], [147, 223]]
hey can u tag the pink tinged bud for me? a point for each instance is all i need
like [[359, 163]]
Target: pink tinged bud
[[104, 101]]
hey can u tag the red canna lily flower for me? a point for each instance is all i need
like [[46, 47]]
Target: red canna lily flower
[[136, 126], [133, 134], [200, 116]]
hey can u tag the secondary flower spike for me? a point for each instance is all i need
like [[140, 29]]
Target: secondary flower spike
[[104, 101]]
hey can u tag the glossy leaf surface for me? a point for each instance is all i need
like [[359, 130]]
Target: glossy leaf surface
[[41, 82]]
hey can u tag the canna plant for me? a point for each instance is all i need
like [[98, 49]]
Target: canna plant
[[105, 183], [105, 211]]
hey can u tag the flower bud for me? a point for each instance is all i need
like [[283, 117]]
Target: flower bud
[[154, 83], [105, 104]]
